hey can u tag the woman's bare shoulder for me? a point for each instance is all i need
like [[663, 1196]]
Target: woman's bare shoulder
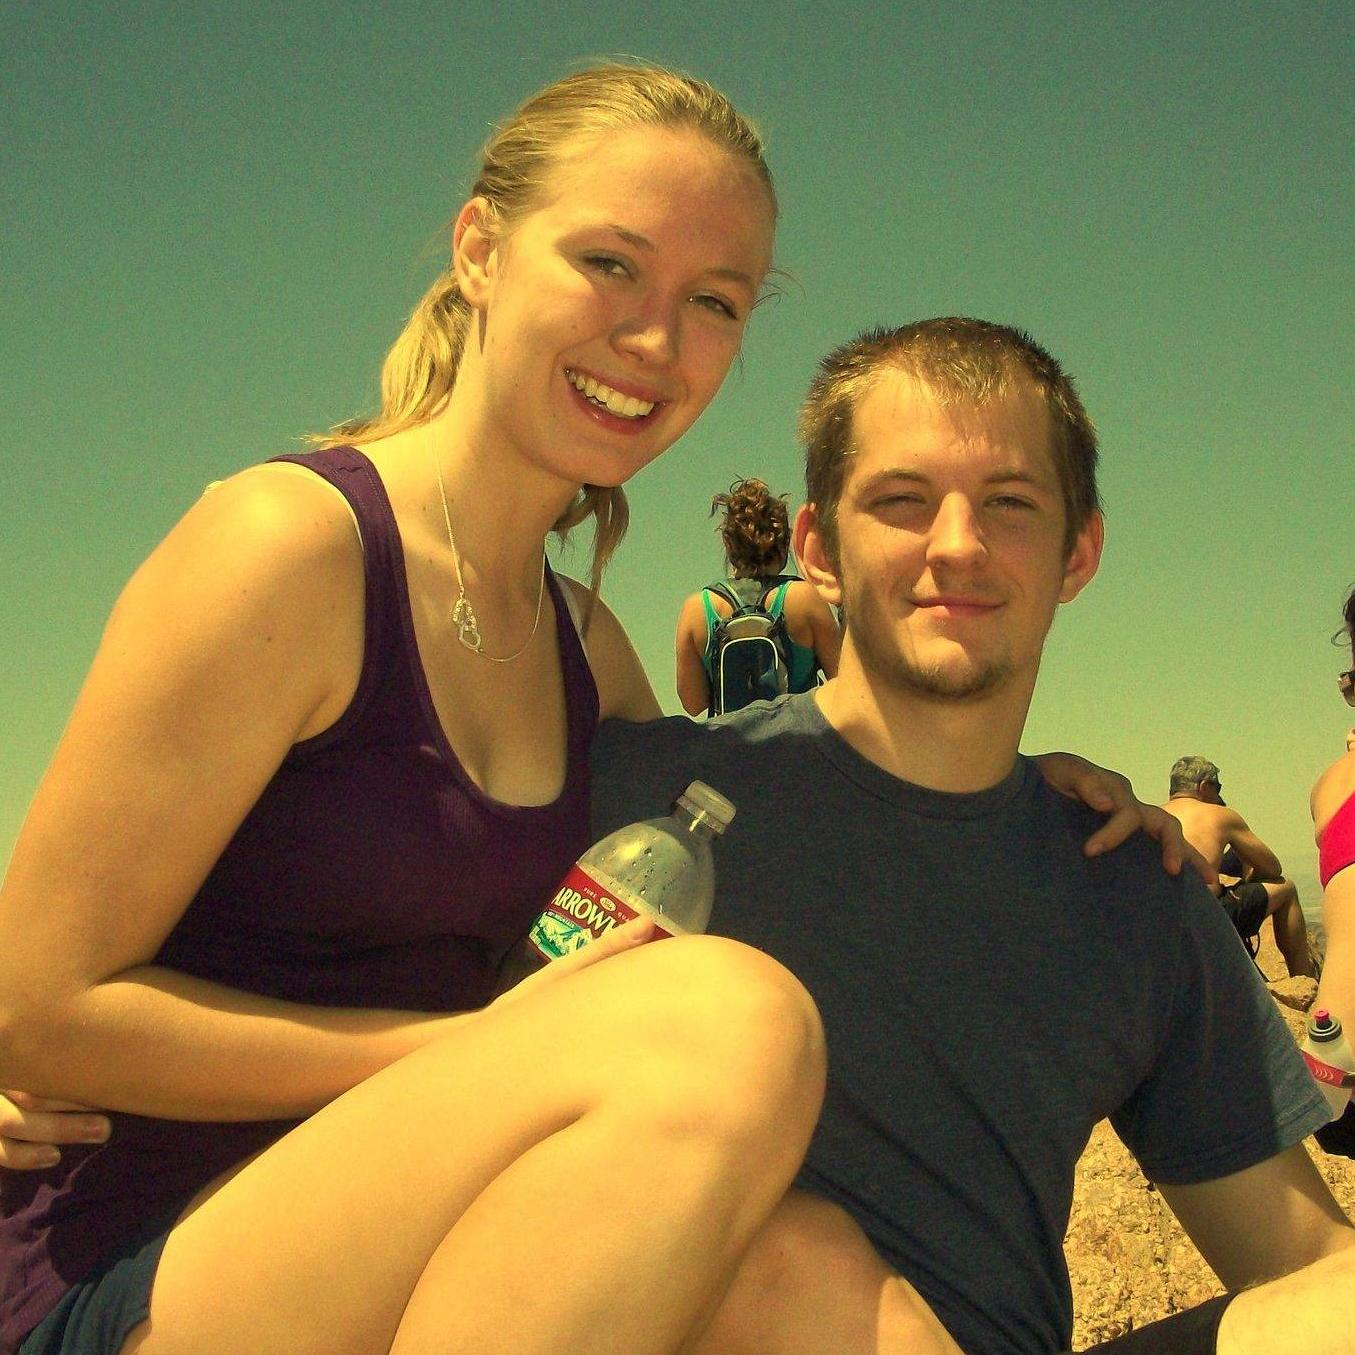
[[1332, 789], [623, 688]]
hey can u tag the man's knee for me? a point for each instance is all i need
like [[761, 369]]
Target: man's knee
[[1282, 894]]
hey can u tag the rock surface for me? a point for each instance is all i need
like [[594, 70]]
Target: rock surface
[[1129, 1259]]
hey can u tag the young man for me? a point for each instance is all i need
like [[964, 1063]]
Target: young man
[[989, 993], [1215, 830]]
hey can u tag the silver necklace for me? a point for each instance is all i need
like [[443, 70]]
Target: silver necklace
[[463, 614]]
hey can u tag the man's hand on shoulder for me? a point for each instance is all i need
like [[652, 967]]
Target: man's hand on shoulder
[[1112, 794]]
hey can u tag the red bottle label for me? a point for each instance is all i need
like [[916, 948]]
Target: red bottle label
[[1328, 1073], [582, 910]]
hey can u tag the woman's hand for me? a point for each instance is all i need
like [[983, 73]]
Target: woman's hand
[[626, 937], [1112, 794], [32, 1127]]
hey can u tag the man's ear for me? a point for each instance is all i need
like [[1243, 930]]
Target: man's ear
[[1084, 558], [475, 252], [816, 560]]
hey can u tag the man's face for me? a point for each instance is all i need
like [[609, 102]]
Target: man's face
[[1211, 792], [950, 542]]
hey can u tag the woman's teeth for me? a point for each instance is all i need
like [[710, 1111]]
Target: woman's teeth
[[624, 406]]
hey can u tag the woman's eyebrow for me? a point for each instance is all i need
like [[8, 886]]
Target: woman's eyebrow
[[641, 242]]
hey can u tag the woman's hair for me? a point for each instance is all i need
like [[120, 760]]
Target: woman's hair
[[756, 529], [1349, 614], [517, 160]]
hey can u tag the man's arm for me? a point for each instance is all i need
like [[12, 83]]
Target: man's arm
[[1275, 1231], [1262, 862], [1269, 1220]]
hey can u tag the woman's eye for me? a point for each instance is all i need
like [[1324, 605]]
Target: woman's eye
[[607, 264], [717, 304]]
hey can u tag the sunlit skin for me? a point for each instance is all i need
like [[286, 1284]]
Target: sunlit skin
[[639, 269], [245, 633], [950, 564], [638, 266]]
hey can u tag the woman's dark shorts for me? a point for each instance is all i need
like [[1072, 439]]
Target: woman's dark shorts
[[96, 1316]]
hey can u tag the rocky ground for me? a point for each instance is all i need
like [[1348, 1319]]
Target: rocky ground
[[1129, 1259]]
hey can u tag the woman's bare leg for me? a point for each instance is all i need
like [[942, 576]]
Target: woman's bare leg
[[579, 1170], [812, 1284]]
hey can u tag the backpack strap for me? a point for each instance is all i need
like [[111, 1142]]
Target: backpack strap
[[712, 616], [774, 601], [726, 591]]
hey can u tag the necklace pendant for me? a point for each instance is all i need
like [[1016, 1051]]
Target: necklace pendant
[[467, 628]]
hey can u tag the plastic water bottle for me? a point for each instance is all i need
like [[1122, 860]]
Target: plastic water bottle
[[660, 867], [1330, 1060]]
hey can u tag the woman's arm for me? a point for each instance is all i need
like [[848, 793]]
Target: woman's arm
[[812, 624], [693, 686], [241, 634], [623, 688]]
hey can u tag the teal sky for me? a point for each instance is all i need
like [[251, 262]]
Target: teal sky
[[216, 216]]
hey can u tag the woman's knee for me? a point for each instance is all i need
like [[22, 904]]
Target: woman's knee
[[738, 1034], [746, 1009]]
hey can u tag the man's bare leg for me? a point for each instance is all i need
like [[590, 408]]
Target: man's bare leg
[[812, 1284], [1291, 929], [1311, 1312]]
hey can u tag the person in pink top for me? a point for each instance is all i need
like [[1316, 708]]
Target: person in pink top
[[1333, 806]]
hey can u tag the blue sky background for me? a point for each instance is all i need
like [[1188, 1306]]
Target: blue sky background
[[216, 216]]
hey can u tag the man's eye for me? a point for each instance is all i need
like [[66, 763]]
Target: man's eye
[[1014, 501]]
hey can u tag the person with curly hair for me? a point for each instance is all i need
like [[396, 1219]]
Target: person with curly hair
[[756, 536]]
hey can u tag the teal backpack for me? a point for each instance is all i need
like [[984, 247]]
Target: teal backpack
[[750, 650]]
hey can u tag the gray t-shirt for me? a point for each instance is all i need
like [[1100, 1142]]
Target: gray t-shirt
[[989, 994]]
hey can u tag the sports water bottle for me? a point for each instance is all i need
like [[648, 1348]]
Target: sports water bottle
[[660, 867], [1328, 1055]]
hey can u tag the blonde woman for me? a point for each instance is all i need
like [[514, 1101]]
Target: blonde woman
[[342, 714]]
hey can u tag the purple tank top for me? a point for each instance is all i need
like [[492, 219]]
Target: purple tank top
[[372, 872]]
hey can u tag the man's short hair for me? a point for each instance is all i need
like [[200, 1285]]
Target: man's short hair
[[1188, 772], [960, 360]]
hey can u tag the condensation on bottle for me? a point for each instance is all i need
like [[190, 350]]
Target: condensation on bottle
[[1330, 1060], [659, 867]]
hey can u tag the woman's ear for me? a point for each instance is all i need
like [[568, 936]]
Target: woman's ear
[[475, 252], [816, 559]]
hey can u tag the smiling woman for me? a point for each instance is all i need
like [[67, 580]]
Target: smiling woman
[[344, 715]]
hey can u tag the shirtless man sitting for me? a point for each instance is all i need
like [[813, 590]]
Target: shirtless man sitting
[[1215, 830]]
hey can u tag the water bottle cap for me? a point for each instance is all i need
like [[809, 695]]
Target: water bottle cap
[[707, 806], [1324, 1026]]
